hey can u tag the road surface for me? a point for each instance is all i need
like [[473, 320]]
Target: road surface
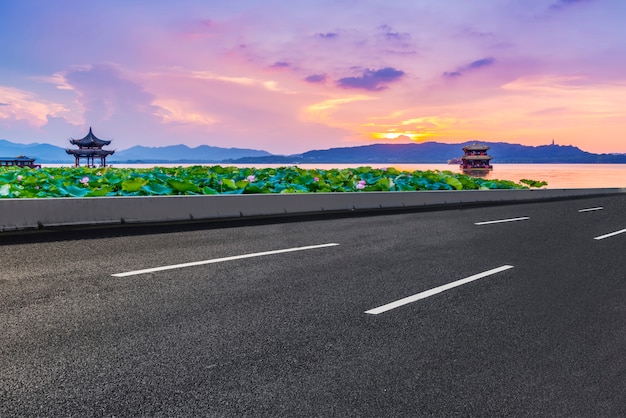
[[511, 310]]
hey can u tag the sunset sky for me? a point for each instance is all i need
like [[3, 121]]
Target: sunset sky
[[288, 76]]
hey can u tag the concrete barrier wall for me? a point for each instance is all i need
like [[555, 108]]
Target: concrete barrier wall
[[18, 214]]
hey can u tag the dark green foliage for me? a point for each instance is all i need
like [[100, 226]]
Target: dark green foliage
[[197, 180]]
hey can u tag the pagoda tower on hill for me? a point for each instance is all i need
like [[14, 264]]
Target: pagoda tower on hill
[[90, 148]]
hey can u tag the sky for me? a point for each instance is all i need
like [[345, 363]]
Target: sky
[[289, 76]]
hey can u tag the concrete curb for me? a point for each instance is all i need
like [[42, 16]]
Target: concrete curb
[[21, 214]]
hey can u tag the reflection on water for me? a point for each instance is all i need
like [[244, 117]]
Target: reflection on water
[[558, 176], [565, 175]]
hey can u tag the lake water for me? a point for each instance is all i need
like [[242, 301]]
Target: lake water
[[558, 176]]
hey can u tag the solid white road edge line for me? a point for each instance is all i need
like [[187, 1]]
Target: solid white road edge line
[[590, 209], [435, 290], [611, 234], [219, 260], [503, 220]]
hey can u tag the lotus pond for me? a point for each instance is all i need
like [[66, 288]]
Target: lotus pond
[[204, 180]]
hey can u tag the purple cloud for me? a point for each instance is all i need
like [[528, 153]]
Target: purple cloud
[[389, 34], [328, 35], [474, 65], [481, 63], [316, 78], [372, 80], [280, 64], [560, 4]]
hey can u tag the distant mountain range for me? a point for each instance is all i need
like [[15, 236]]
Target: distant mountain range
[[51, 154], [427, 152], [184, 154], [45, 153], [435, 152]]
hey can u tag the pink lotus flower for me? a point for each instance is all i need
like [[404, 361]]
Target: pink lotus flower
[[315, 179], [251, 178], [84, 180], [19, 178]]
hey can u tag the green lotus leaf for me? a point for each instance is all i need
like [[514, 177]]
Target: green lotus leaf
[[8, 177], [534, 183], [488, 185], [157, 189], [74, 191], [133, 185], [304, 179], [229, 183], [30, 181], [104, 191], [252, 188], [184, 186], [454, 182], [241, 184], [64, 181], [209, 190], [467, 182], [238, 191]]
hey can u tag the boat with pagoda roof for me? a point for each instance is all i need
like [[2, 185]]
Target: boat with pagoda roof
[[476, 160]]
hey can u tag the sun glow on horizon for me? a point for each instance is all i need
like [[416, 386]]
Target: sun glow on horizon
[[401, 136]]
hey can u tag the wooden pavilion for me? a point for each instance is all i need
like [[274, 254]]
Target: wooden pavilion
[[90, 148], [19, 161]]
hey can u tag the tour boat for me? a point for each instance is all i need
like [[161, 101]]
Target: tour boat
[[476, 160]]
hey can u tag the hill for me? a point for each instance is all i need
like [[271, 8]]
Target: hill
[[51, 154], [434, 152], [183, 154], [45, 153], [427, 152]]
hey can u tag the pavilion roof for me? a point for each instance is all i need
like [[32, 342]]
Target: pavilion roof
[[90, 140], [476, 147], [18, 158]]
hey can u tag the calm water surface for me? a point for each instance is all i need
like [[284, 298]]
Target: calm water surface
[[558, 176]]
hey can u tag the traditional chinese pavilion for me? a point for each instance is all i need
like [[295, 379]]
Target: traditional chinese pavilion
[[90, 148], [476, 159]]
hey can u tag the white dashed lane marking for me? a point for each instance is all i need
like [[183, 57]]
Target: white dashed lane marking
[[220, 260], [523, 218], [435, 290], [590, 209], [612, 234]]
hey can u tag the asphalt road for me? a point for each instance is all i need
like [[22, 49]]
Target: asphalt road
[[539, 329]]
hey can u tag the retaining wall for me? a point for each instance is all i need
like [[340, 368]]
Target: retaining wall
[[19, 214]]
